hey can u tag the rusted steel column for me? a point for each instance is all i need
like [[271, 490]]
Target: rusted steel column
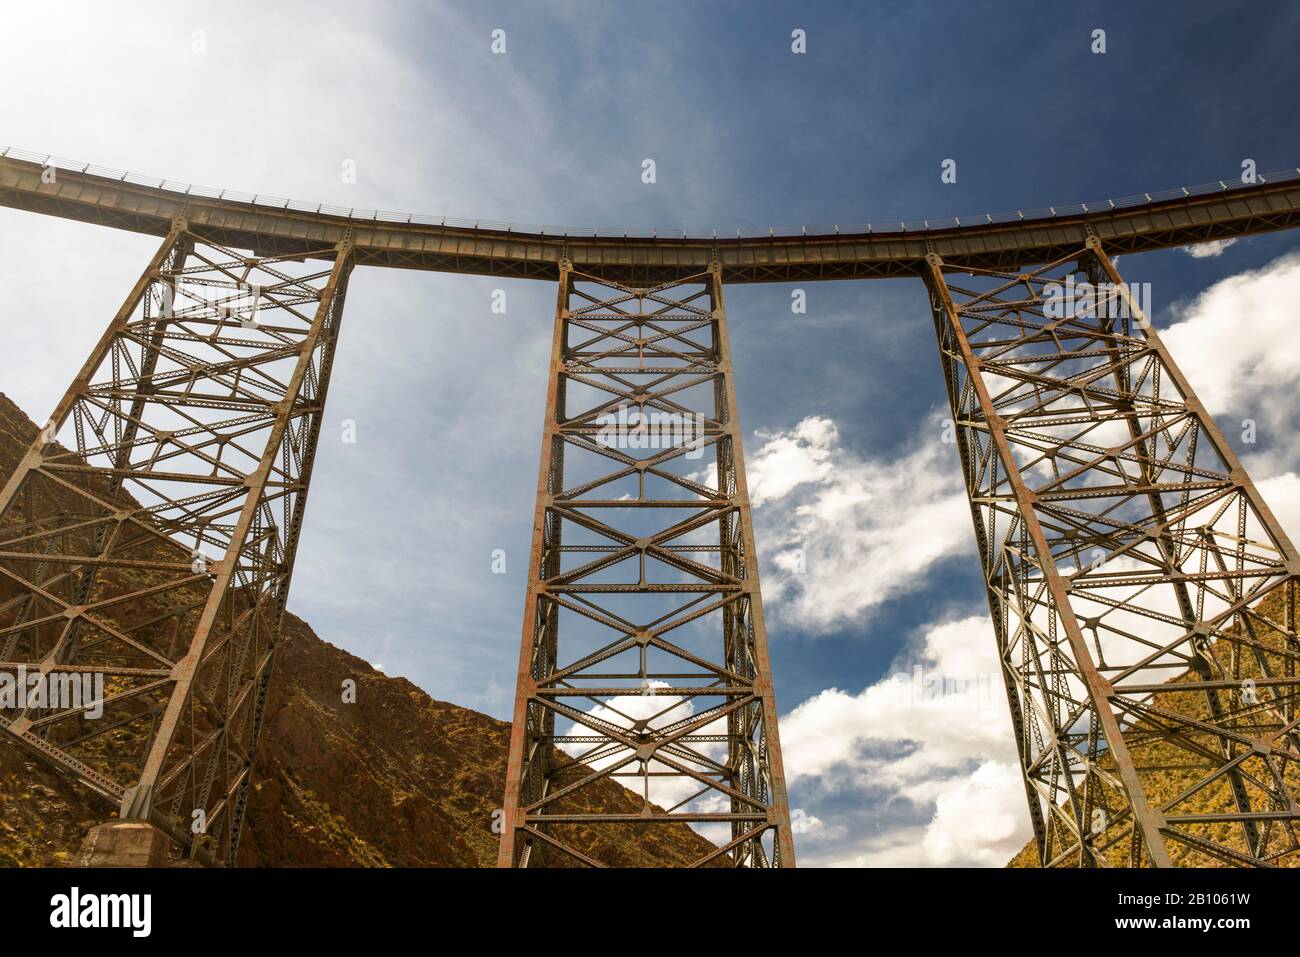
[[644, 695], [1141, 591], [148, 536]]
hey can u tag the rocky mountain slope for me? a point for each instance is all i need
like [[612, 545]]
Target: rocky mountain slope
[[396, 779]]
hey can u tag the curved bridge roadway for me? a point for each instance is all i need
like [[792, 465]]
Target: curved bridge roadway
[[282, 227]]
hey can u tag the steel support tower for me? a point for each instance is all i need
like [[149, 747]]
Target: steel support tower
[[1127, 554], [644, 655], [148, 535]]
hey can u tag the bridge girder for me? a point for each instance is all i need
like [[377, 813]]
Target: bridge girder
[[298, 229]]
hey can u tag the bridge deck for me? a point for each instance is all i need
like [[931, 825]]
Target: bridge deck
[[402, 242]]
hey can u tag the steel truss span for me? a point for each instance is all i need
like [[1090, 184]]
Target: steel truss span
[[644, 655], [1142, 593], [148, 534]]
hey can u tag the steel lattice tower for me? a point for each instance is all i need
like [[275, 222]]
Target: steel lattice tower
[[644, 654], [1126, 553], [182, 452]]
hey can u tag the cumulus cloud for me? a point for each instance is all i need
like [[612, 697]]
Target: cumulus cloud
[[933, 736], [1282, 494], [787, 460], [842, 533], [801, 822], [1236, 343], [979, 820]]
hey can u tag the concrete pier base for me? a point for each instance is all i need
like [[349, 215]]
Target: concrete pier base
[[123, 844]]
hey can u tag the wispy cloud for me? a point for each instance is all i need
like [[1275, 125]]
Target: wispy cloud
[[1208, 250]]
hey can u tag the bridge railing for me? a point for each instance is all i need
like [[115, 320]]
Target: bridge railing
[[650, 232]]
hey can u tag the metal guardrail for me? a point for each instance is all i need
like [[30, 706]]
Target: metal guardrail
[[647, 232]]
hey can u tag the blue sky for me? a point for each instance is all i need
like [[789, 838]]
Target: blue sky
[[446, 396]]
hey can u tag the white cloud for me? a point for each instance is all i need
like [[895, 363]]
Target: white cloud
[[801, 822], [979, 820], [820, 736], [1282, 494], [790, 459], [1236, 343], [934, 737], [842, 534], [1208, 250]]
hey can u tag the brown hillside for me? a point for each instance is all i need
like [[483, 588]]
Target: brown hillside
[[396, 779]]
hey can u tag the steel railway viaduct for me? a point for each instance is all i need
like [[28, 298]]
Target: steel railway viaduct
[[1143, 596]]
